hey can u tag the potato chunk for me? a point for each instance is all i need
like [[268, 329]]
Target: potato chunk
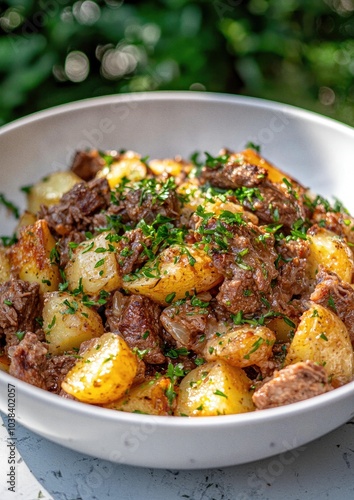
[[104, 373], [148, 397], [330, 251], [176, 270], [323, 338], [67, 322], [50, 189], [4, 265], [128, 166], [214, 388], [31, 257], [243, 346], [94, 264]]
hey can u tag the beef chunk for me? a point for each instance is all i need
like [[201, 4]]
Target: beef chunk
[[294, 383], [337, 295], [76, 207], [248, 266], [130, 250], [29, 360], [136, 318], [63, 245], [19, 307], [87, 164], [235, 173], [292, 279], [146, 202], [55, 371]]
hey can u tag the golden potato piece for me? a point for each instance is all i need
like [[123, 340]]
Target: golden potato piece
[[148, 397], [67, 322], [243, 346], [95, 266], [4, 265], [215, 388], [176, 270], [32, 257], [330, 251], [323, 338], [50, 189], [104, 373], [129, 166], [26, 219], [170, 166]]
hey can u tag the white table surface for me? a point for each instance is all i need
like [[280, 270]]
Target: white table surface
[[323, 469]]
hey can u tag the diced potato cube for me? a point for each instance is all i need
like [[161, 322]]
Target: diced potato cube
[[169, 166], [31, 257], [243, 346], [50, 189], [323, 338], [67, 322], [95, 266], [330, 251], [215, 388], [176, 270], [148, 397], [104, 373]]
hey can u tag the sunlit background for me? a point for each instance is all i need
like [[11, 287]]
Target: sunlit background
[[295, 51]]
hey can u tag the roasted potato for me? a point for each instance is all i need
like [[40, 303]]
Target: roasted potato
[[95, 266], [50, 189], [148, 397], [215, 388], [129, 166], [330, 251], [67, 322], [26, 219], [242, 346], [104, 373], [176, 270], [323, 338], [169, 166], [4, 265], [31, 256]]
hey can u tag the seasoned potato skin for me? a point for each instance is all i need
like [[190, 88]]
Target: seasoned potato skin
[[67, 322], [177, 275], [323, 338], [104, 373], [31, 257], [215, 388]]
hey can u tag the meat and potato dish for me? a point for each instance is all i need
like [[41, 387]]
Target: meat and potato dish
[[175, 287]]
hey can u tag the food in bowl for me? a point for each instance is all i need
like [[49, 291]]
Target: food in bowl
[[174, 287]]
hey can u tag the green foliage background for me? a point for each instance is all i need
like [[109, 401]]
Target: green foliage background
[[295, 51]]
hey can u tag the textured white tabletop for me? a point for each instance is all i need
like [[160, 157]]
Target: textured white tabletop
[[320, 470]]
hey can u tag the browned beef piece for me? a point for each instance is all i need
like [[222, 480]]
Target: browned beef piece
[[29, 360], [186, 324], [292, 279], [337, 295], [130, 250], [136, 205], [293, 383], [76, 207], [274, 205], [87, 164], [136, 318], [234, 174], [19, 307], [248, 267], [64, 248], [55, 371]]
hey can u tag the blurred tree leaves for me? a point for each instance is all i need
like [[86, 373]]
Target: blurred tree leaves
[[294, 51]]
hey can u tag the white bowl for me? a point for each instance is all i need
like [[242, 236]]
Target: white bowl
[[316, 150]]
